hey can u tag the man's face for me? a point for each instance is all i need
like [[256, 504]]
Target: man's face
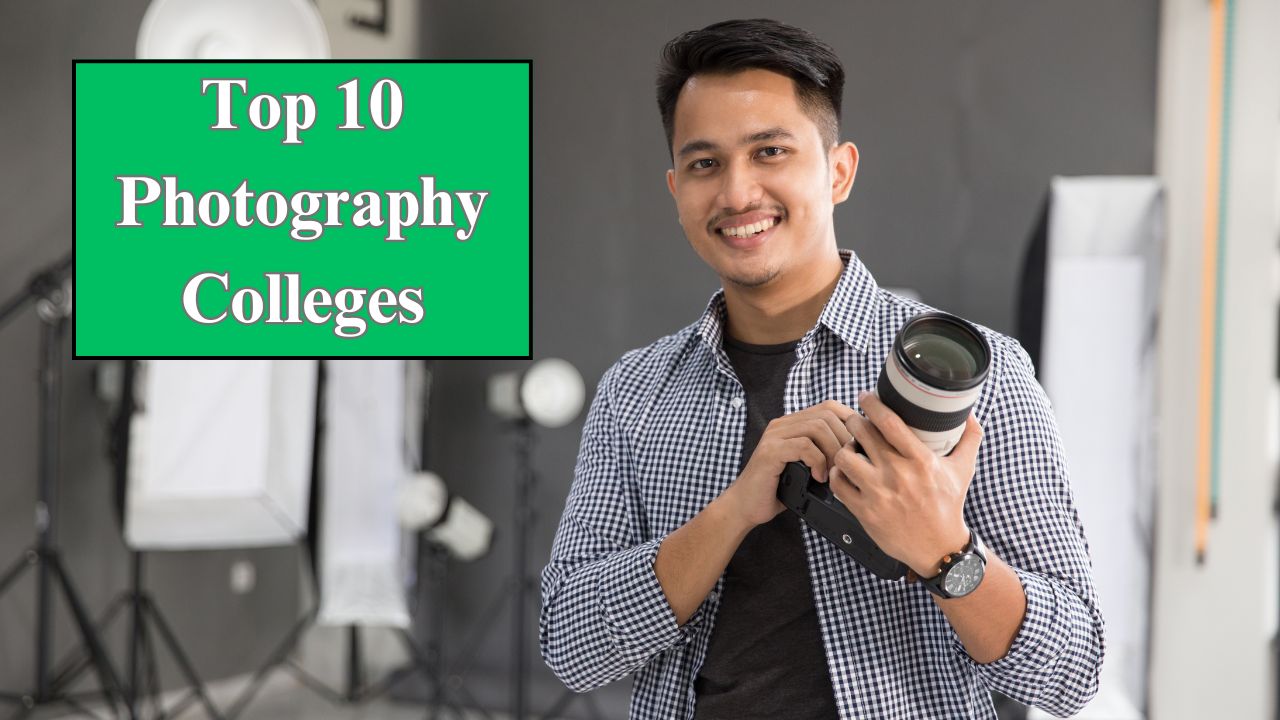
[[752, 179]]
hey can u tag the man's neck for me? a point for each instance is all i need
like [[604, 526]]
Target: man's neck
[[784, 309]]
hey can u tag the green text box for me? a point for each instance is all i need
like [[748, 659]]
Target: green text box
[[466, 126]]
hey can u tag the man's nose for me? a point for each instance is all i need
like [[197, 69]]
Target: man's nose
[[740, 188]]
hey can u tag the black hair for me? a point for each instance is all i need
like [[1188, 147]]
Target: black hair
[[736, 45]]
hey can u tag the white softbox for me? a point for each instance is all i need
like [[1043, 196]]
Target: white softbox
[[367, 447], [1098, 360], [219, 453]]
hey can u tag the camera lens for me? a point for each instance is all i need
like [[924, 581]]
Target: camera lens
[[934, 375], [943, 351]]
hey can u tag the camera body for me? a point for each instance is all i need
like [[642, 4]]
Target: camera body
[[815, 502]]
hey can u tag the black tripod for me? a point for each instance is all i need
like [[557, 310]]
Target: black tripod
[[517, 589], [53, 306], [146, 622]]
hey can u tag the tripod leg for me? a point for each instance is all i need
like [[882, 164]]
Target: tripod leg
[[591, 703], [69, 669], [150, 674], [565, 701], [171, 640], [487, 621], [277, 657], [102, 664], [471, 701], [15, 571]]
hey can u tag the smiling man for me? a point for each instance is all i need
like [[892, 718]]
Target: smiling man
[[675, 561]]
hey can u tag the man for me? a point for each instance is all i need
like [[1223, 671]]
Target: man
[[675, 561]]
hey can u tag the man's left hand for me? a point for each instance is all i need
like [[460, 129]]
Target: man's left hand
[[909, 500]]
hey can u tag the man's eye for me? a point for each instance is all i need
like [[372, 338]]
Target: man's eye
[[772, 151], [698, 164]]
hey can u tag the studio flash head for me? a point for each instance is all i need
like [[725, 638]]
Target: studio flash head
[[933, 376]]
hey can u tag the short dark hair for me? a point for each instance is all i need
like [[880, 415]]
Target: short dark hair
[[736, 45]]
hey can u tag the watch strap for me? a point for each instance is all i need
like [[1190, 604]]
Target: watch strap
[[937, 583]]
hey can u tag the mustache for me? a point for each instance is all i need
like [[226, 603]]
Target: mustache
[[725, 214]]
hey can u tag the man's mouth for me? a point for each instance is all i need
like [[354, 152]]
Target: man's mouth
[[749, 229]]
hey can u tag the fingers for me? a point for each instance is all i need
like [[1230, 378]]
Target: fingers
[[815, 434], [821, 423], [823, 435], [966, 449], [838, 429], [851, 475], [834, 414], [891, 427], [840, 410], [869, 437], [803, 449]]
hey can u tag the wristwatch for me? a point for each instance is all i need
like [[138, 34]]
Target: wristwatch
[[961, 572]]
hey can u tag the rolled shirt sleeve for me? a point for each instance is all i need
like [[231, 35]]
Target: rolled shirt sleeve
[[604, 614], [1020, 502]]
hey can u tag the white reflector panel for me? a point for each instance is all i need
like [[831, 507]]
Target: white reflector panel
[[364, 465]]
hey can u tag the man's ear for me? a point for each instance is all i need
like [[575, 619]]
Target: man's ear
[[671, 182], [844, 166]]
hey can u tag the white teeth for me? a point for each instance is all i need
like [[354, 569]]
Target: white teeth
[[749, 230]]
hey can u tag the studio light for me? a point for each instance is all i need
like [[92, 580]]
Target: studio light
[[232, 30], [426, 506], [550, 393]]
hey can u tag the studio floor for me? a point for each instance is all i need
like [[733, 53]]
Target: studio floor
[[284, 698]]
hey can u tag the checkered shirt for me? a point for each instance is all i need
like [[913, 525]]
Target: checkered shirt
[[662, 440]]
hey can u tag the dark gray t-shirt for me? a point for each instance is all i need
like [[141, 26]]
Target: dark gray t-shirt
[[765, 658]]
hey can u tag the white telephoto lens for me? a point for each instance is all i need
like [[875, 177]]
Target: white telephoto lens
[[934, 375]]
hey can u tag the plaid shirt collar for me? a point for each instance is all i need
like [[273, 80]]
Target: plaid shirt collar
[[850, 313]]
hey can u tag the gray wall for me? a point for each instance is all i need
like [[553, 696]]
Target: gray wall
[[962, 113]]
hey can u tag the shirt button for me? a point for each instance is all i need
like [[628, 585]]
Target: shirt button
[[736, 402]]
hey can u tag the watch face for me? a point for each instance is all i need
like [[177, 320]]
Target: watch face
[[964, 576]]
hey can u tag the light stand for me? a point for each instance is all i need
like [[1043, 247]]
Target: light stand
[[549, 393], [53, 305], [146, 622], [517, 585], [518, 588]]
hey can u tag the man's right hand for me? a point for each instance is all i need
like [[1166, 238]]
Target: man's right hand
[[812, 436]]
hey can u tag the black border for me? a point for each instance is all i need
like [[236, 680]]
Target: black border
[[355, 61]]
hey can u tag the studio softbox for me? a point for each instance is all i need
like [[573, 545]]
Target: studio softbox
[[1091, 292], [219, 453]]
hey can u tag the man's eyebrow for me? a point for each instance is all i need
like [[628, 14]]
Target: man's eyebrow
[[773, 133], [694, 146]]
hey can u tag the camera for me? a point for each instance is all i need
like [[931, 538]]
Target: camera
[[931, 379]]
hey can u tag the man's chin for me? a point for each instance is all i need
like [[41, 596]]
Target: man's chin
[[750, 278]]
